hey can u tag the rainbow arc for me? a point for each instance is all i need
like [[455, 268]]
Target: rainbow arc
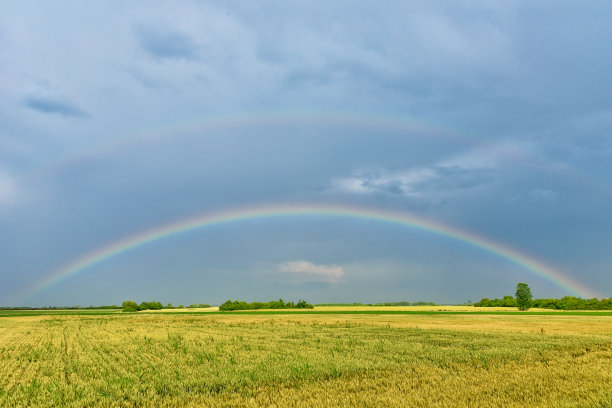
[[117, 248]]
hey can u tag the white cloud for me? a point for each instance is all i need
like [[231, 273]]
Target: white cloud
[[427, 182], [355, 184], [326, 273], [397, 182], [443, 178]]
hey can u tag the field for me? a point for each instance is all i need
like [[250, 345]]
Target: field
[[332, 359]]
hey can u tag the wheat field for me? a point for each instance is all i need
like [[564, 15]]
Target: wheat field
[[179, 360]]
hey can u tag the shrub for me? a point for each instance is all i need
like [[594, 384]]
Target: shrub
[[129, 306], [275, 304]]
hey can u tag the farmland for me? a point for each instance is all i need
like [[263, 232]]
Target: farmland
[[290, 359]]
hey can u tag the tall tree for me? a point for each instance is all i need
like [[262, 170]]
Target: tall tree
[[523, 296]]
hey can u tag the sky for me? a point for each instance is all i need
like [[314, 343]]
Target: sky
[[118, 118]]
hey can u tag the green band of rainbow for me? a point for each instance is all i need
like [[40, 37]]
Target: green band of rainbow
[[117, 248]]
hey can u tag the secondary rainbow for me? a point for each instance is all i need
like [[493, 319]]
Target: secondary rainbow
[[293, 210], [205, 127]]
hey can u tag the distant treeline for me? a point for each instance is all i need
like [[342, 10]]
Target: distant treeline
[[565, 303], [131, 306], [143, 306], [60, 307], [380, 304], [275, 304]]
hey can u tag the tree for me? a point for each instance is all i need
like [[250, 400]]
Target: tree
[[523, 296], [484, 302], [129, 306], [508, 301]]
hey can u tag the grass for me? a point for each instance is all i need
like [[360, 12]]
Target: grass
[[176, 360]]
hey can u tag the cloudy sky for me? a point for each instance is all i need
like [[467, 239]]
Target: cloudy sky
[[121, 117]]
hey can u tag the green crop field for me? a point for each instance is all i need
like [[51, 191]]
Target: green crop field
[[51, 359]]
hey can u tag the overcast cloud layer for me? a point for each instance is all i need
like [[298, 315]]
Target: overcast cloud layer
[[117, 117]]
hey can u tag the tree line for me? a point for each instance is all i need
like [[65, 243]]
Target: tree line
[[275, 304], [131, 306], [403, 303], [565, 303], [77, 307], [524, 301]]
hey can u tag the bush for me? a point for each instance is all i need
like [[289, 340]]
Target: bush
[[129, 306], [150, 306], [275, 304], [198, 305]]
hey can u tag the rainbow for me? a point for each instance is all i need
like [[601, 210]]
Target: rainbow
[[204, 127], [209, 126], [117, 248]]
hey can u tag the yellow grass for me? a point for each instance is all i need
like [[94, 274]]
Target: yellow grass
[[373, 308], [138, 360], [422, 308], [187, 309]]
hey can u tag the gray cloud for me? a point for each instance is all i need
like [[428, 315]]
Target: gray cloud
[[167, 44], [425, 183], [476, 115], [54, 106]]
